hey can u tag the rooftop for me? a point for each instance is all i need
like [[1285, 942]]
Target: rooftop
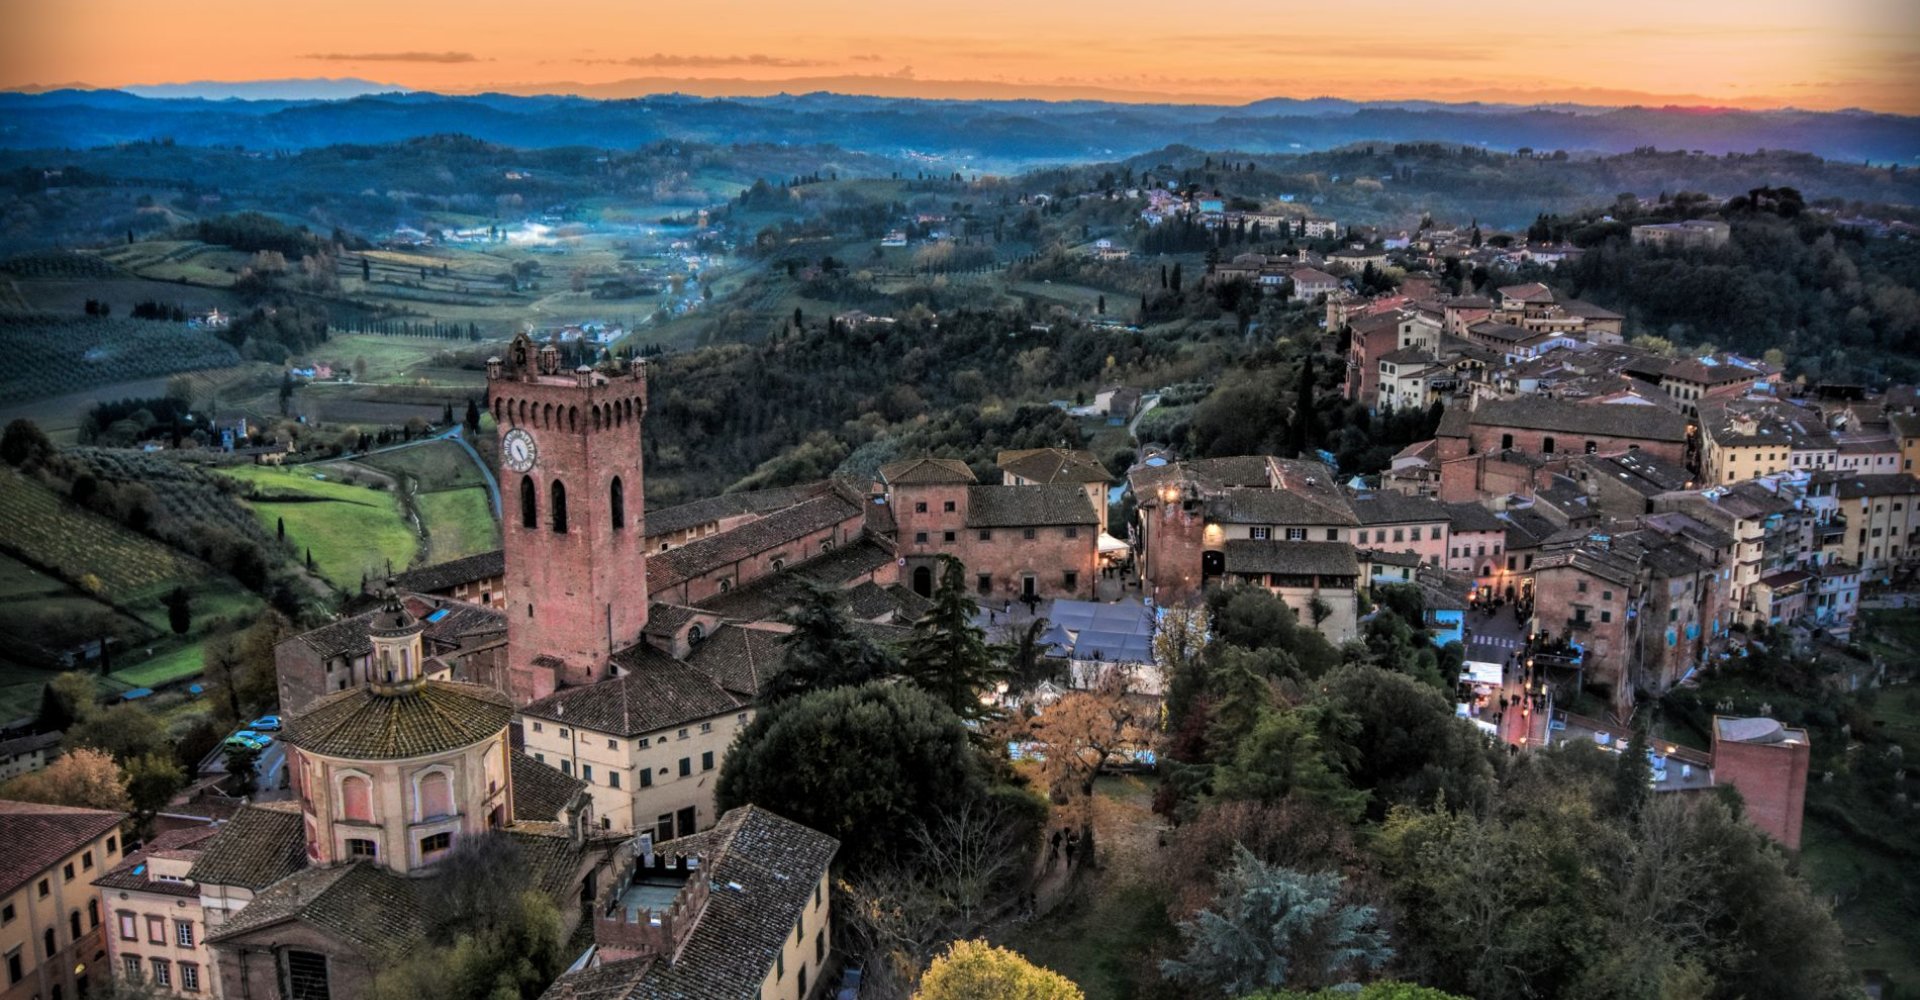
[[365, 724], [37, 837]]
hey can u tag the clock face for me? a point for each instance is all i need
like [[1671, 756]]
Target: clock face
[[518, 450]]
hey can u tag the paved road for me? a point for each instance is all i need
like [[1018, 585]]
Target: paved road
[[1147, 402]]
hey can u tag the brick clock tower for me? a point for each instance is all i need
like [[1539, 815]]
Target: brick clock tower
[[571, 497]]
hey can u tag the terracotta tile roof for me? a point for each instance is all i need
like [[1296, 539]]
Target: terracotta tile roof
[[741, 659], [450, 574], [1053, 465], [768, 596], [666, 620], [1645, 423], [348, 636], [182, 844], [1279, 508], [256, 848], [681, 517], [1473, 517], [1388, 507], [698, 558], [539, 791], [1244, 555], [763, 870], [362, 903], [37, 837], [550, 856], [1853, 487], [927, 472], [656, 692], [1028, 506], [363, 724], [20, 746]]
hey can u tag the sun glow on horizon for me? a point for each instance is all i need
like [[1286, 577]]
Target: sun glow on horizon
[[1710, 53]]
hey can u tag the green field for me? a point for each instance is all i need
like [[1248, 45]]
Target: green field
[[437, 465], [353, 531], [163, 669], [459, 523]]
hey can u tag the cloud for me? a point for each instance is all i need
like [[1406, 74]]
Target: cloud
[[866, 57], [413, 57], [662, 59]]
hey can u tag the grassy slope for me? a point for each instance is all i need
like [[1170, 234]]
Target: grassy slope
[[459, 523], [352, 530]]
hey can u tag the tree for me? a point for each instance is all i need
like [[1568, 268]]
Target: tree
[[152, 781], [66, 700], [243, 776], [126, 731], [85, 777], [24, 443], [976, 970], [1381, 990], [948, 655], [472, 421], [865, 764], [1306, 418], [490, 933], [1633, 773], [180, 607], [825, 649], [1081, 732], [1271, 926]]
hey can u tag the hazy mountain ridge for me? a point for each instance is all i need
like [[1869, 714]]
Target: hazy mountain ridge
[[991, 131]]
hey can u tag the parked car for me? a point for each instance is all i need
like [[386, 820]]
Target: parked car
[[249, 739], [265, 723]]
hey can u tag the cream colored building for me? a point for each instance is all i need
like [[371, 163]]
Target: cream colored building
[[648, 743], [157, 930], [51, 923], [1882, 521]]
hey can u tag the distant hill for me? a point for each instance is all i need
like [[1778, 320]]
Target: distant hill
[[990, 134], [306, 89]]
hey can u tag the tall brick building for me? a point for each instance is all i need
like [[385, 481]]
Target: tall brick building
[[576, 565], [1767, 762]]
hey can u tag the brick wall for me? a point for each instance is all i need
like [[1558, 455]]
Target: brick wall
[[1772, 779]]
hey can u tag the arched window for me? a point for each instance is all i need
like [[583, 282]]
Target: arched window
[[573, 418], [619, 498], [596, 418], [529, 505], [435, 795], [356, 798], [726, 585], [1546, 445], [695, 634], [559, 502]]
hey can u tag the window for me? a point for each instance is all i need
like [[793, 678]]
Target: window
[[566, 767], [919, 538], [68, 871], [1581, 586], [706, 727], [46, 941], [920, 507], [73, 925], [93, 913], [646, 777], [129, 927], [613, 744], [565, 733], [1027, 534], [436, 795], [356, 798], [434, 846], [682, 734], [1260, 534], [686, 766], [135, 971], [156, 929], [307, 976], [1296, 534], [779, 966], [529, 507], [1073, 532], [1333, 534], [983, 583], [558, 493], [86, 861], [1506, 441], [820, 945], [613, 779], [189, 977], [542, 758], [1606, 616], [360, 847], [1399, 535], [947, 537], [986, 534], [1070, 580], [948, 506], [586, 773], [162, 972], [803, 980], [1606, 595], [15, 971], [537, 728], [617, 498], [706, 761], [6, 914]]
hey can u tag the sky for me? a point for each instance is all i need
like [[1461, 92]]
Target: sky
[[1732, 53]]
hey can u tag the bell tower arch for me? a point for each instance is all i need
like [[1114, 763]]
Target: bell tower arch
[[576, 565]]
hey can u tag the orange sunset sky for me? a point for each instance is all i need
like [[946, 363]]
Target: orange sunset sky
[[1749, 53]]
